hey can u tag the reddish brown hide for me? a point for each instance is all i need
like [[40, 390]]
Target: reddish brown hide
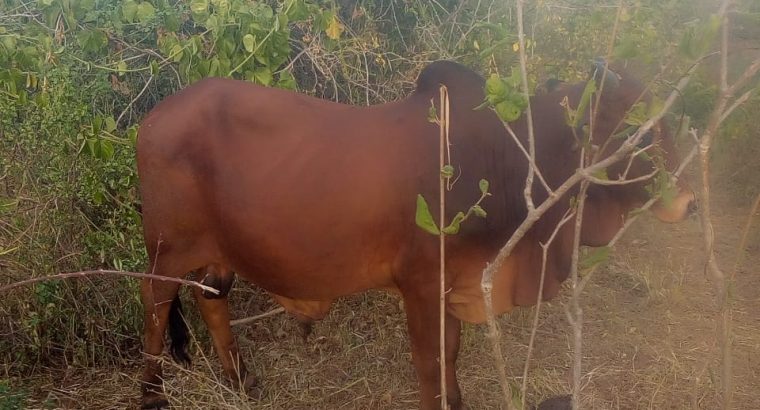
[[313, 200]]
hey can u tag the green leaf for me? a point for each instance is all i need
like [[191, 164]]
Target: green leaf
[[479, 211], [129, 10], [110, 124], [483, 185], [507, 111], [495, 87], [296, 10], [213, 69], [447, 171], [423, 219], [263, 75], [514, 79], [212, 23], [249, 42], [154, 67], [455, 224], [92, 40], [637, 115], [176, 53], [9, 42], [145, 11], [199, 6], [91, 147], [97, 125], [132, 134], [286, 81], [588, 91], [106, 149], [121, 67], [594, 258], [42, 99]]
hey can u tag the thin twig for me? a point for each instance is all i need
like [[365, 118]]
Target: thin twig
[[607, 182], [713, 270], [85, 273], [576, 316], [739, 101], [633, 218], [531, 160], [539, 298], [250, 319], [745, 235], [528, 193], [443, 126], [145, 87]]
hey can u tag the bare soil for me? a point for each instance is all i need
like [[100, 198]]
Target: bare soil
[[650, 342]]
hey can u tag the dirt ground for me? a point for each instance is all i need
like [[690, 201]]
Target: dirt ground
[[649, 342]]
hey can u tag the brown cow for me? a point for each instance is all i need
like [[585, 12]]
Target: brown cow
[[313, 200]]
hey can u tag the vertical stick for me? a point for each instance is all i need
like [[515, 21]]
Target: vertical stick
[[576, 317], [711, 266], [443, 126], [528, 193]]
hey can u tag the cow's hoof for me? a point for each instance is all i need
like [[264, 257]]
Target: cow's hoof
[[154, 401]]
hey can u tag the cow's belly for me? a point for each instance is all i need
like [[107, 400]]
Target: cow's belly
[[319, 271]]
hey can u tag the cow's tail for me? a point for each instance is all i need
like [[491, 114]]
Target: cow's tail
[[178, 333]]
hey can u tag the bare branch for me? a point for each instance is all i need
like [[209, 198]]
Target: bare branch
[[633, 218], [739, 101], [744, 78], [599, 181], [493, 336], [745, 234], [443, 125], [137, 97], [531, 160], [528, 113], [85, 273], [539, 297], [250, 319]]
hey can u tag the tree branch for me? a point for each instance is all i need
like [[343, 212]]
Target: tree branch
[[85, 273]]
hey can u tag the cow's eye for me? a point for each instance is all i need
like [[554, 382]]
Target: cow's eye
[[646, 140]]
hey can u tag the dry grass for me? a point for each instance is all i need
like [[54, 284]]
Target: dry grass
[[649, 344]]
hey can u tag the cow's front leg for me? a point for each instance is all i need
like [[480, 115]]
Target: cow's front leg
[[422, 307]]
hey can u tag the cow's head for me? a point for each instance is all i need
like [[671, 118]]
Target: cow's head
[[621, 95]]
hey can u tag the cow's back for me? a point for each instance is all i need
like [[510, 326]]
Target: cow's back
[[289, 191]]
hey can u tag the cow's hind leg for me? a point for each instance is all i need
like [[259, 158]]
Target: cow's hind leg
[[216, 314], [157, 298], [421, 304]]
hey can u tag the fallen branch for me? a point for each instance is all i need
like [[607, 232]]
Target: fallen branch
[[250, 319]]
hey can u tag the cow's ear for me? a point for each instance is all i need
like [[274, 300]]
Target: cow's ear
[[598, 70]]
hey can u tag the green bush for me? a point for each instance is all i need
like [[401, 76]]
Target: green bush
[[76, 76]]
